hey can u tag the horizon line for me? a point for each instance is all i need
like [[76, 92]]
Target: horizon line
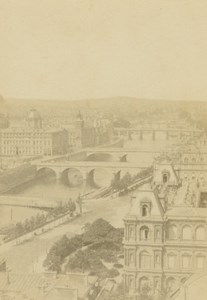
[[101, 99]]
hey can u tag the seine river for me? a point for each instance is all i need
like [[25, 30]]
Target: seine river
[[50, 189]]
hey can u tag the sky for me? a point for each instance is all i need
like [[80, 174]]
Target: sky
[[87, 49]]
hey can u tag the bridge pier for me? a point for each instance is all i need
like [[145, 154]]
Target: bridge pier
[[123, 158], [58, 175]]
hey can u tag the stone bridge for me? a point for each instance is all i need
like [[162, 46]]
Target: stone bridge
[[98, 173], [155, 133], [117, 154]]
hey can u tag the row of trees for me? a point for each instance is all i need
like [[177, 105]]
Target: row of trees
[[40, 219], [128, 179]]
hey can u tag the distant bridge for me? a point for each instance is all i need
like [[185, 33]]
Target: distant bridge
[[30, 202], [153, 132]]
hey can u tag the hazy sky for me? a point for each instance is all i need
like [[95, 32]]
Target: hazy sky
[[76, 49]]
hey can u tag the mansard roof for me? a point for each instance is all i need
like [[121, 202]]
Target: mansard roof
[[145, 196], [187, 212]]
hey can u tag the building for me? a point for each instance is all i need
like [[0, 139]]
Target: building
[[165, 240], [93, 131], [33, 286], [4, 119], [194, 288], [33, 139]]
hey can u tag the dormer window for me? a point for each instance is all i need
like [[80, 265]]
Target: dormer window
[[144, 210], [165, 178]]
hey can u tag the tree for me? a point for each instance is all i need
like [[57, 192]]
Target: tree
[[19, 228], [99, 229], [71, 206], [86, 227]]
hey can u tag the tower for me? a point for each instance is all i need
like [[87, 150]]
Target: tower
[[34, 119], [79, 126]]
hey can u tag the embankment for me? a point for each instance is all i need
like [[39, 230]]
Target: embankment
[[17, 176]]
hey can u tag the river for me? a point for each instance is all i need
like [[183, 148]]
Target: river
[[50, 189]]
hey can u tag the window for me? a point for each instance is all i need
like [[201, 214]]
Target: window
[[131, 232], [171, 261], [165, 178], [200, 261], [185, 160], [171, 284], [145, 260], [144, 210], [200, 233], [157, 233], [143, 284], [131, 258], [187, 234], [172, 232], [202, 159], [144, 233], [186, 261], [131, 282]]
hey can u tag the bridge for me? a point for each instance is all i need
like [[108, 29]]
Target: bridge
[[118, 154], [30, 202], [142, 132], [94, 171]]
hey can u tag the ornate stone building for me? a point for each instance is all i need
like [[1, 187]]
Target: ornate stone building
[[164, 244], [32, 139]]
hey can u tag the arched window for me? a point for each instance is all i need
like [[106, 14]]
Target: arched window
[[131, 258], [157, 233], [202, 159], [200, 261], [144, 233], [187, 233], [165, 178], [186, 258], [171, 284], [145, 260], [173, 232], [131, 282], [144, 210], [171, 260], [143, 284], [200, 233], [131, 232]]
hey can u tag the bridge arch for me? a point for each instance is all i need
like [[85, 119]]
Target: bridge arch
[[72, 176], [101, 156], [100, 177], [44, 171]]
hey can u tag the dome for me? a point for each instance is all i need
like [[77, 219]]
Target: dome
[[34, 115]]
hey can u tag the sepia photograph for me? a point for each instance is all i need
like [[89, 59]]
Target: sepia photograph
[[103, 150]]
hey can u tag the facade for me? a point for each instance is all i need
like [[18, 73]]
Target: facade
[[164, 243], [93, 131], [33, 140]]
